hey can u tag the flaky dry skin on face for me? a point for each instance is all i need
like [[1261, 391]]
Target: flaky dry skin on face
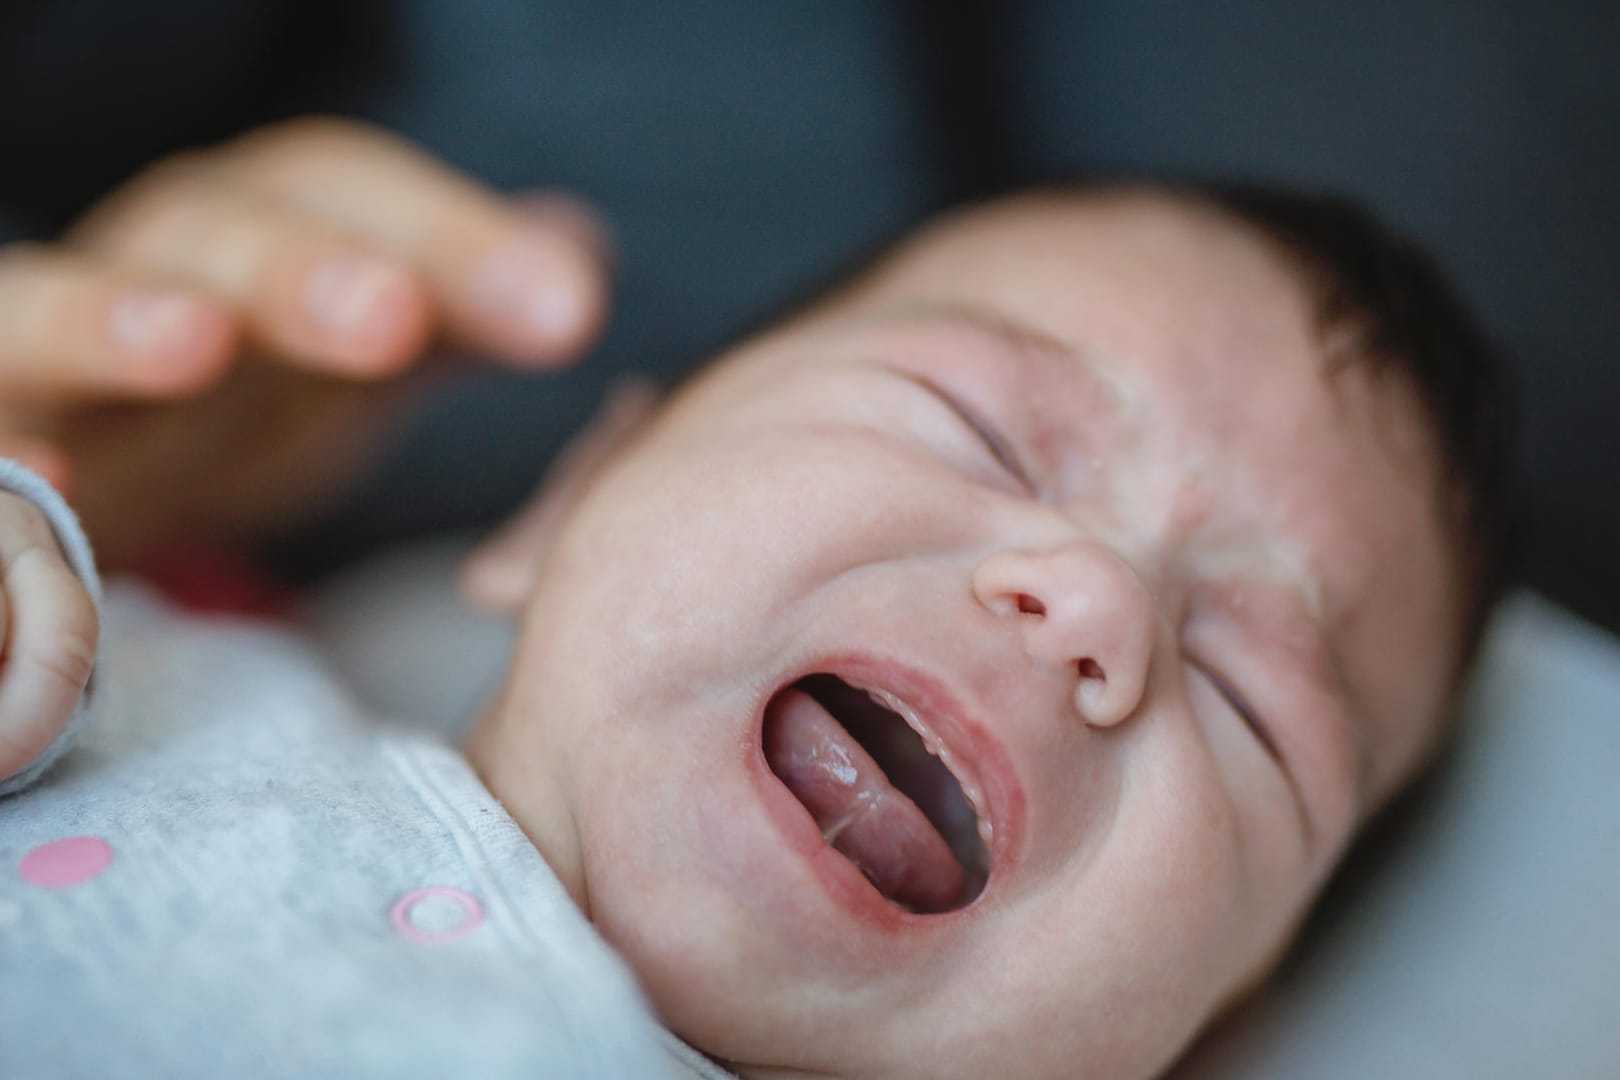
[[1066, 485]]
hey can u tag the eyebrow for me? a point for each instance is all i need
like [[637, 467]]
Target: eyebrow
[[1009, 331], [1026, 340]]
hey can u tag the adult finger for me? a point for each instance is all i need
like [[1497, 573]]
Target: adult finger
[[306, 290], [520, 285], [71, 325], [51, 640]]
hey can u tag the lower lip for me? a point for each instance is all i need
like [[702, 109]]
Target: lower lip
[[840, 878]]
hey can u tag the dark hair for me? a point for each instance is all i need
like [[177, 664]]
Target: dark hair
[[1392, 296]]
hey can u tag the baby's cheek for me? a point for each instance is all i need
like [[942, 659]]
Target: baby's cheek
[[1183, 878]]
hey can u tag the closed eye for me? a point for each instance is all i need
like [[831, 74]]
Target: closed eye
[[1244, 711], [999, 448]]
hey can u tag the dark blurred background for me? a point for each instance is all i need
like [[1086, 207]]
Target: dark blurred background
[[745, 149]]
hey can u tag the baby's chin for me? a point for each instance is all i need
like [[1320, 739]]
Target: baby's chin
[[938, 1059]]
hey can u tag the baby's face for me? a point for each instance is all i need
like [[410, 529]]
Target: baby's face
[[1074, 490]]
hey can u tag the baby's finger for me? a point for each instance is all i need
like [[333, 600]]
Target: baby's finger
[[306, 290], [70, 326], [50, 645], [524, 286], [16, 749]]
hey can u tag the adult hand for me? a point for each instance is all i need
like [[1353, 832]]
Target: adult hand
[[198, 350]]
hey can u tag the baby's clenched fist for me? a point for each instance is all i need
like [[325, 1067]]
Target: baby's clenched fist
[[49, 626]]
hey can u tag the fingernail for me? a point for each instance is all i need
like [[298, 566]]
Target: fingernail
[[355, 296], [522, 288], [157, 322]]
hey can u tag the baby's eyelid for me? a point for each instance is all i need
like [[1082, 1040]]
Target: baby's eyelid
[[999, 447], [1245, 711], [1267, 742]]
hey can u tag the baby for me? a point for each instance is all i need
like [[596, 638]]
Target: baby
[[976, 674]]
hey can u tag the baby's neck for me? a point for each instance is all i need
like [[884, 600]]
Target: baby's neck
[[531, 795]]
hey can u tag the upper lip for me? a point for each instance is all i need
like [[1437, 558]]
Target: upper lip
[[960, 735]]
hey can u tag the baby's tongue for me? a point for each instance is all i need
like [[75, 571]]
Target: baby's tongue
[[860, 813]]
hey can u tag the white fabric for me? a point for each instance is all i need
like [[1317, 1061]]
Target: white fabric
[[263, 829]]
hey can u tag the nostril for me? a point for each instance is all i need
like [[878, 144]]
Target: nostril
[[1091, 691], [1028, 605]]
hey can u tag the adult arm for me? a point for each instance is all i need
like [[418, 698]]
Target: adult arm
[[205, 348]]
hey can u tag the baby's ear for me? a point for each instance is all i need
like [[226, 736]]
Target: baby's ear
[[497, 574]]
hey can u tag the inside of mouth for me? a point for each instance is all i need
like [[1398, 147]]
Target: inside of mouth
[[880, 798]]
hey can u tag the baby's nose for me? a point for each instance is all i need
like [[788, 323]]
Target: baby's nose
[[1080, 606]]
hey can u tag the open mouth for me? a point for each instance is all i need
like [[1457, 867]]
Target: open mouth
[[872, 778]]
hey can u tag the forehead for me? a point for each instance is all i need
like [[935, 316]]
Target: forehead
[[1206, 342]]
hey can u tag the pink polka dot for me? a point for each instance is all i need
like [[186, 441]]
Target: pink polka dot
[[62, 864], [465, 911]]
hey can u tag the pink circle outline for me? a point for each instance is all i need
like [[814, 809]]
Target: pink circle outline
[[64, 863], [400, 914]]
